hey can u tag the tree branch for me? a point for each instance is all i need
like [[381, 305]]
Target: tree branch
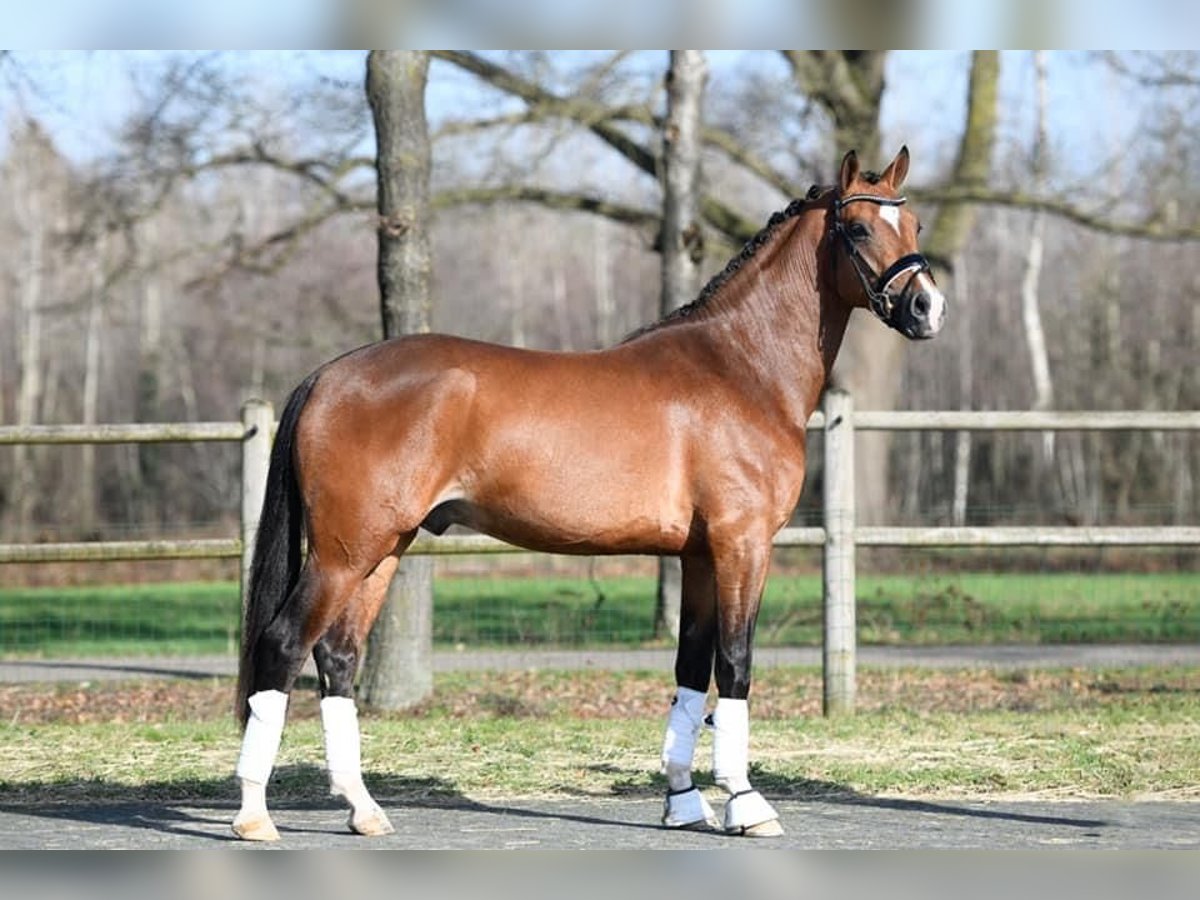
[[471, 126], [974, 161], [827, 77], [1161, 71], [317, 172], [592, 115], [285, 242], [745, 157], [629, 215], [713, 136], [807, 72], [597, 118], [1151, 230]]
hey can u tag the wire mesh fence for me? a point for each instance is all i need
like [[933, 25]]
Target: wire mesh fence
[[905, 596]]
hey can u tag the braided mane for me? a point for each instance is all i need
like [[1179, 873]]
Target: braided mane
[[748, 251]]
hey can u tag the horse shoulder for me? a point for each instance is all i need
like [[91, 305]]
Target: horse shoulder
[[754, 474]]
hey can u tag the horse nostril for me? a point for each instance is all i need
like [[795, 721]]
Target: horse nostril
[[920, 305]]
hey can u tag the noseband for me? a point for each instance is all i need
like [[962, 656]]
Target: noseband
[[876, 287]]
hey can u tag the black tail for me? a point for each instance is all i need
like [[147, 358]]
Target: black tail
[[277, 549]]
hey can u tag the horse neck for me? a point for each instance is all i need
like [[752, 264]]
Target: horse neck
[[779, 321]]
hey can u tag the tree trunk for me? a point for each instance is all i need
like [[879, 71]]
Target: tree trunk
[[870, 360], [398, 668], [91, 393], [396, 91], [29, 388], [682, 250], [1031, 313], [966, 389], [849, 85], [606, 308]]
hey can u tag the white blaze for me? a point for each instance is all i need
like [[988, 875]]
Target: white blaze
[[891, 215], [937, 301]]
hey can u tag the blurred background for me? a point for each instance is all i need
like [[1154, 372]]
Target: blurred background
[[183, 231]]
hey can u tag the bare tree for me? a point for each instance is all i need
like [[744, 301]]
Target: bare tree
[[966, 386], [682, 248], [240, 247], [91, 390], [398, 669], [37, 178], [1031, 313]]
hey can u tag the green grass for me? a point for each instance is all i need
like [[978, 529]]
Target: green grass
[[1030, 607], [1039, 607], [144, 619]]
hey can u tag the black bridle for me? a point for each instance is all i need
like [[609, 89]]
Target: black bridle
[[876, 286]]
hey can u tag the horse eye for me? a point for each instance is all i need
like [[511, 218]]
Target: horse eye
[[858, 231]]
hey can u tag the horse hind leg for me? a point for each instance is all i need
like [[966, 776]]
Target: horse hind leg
[[279, 655], [337, 656]]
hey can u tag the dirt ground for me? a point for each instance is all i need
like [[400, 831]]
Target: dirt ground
[[598, 694]]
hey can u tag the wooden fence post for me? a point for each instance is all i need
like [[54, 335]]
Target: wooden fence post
[[839, 647], [258, 419]]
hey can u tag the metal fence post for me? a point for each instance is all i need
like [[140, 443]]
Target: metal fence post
[[839, 647], [258, 418]]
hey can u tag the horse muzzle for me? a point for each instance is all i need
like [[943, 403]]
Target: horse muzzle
[[920, 311]]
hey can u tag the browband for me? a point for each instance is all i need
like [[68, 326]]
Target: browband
[[873, 198]]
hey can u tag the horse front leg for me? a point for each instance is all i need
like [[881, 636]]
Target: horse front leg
[[685, 806], [337, 656], [741, 566]]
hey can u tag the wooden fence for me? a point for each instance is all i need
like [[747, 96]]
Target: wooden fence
[[839, 536]]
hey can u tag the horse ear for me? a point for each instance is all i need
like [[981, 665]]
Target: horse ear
[[895, 173], [849, 170]]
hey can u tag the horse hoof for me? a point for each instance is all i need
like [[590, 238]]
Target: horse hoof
[[688, 811], [748, 813], [258, 828], [768, 829], [375, 824]]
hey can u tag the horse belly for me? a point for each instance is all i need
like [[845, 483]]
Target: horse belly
[[609, 504]]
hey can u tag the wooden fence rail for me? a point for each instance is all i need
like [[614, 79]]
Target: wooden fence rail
[[838, 536]]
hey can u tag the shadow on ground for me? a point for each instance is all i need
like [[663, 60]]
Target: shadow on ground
[[193, 808], [775, 786]]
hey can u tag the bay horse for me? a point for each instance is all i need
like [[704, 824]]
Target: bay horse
[[686, 439]]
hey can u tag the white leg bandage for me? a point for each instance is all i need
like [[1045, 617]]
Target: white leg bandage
[[746, 810], [343, 749], [685, 806], [268, 710], [343, 756], [679, 745], [731, 744]]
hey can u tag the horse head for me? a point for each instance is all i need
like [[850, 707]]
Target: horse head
[[876, 234]]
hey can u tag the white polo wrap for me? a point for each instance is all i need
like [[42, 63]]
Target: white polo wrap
[[731, 744], [264, 729], [683, 725], [343, 749]]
